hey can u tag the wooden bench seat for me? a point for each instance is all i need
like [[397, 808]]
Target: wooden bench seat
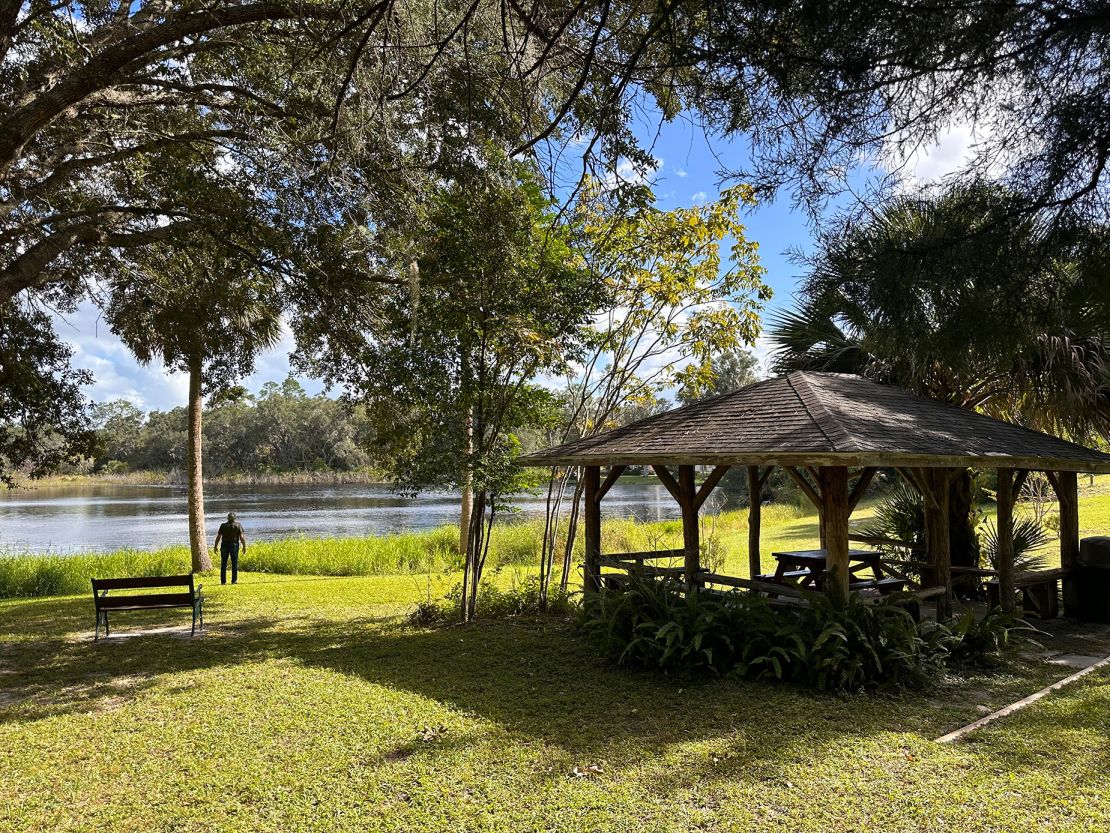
[[1039, 591], [192, 598], [883, 585], [787, 574]]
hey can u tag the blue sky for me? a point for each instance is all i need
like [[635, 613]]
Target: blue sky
[[687, 173]]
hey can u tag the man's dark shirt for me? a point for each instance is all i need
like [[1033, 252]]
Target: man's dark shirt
[[230, 533]]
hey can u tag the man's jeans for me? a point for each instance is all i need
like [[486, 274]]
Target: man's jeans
[[225, 554]]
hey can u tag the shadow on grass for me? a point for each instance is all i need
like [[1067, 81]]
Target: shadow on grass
[[537, 679]]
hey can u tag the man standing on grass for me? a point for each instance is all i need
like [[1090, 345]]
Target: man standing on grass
[[231, 534]]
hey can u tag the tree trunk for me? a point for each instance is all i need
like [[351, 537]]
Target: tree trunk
[[755, 506], [691, 539], [572, 533], [476, 556], [938, 535], [553, 516], [591, 569], [198, 538], [963, 543], [1004, 524], [467, 502], [834, 523], [1067, 493]]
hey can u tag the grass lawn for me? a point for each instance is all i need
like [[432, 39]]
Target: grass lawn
[[305, 707]]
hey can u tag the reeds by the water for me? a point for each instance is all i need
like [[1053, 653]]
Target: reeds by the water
[[428, 551]]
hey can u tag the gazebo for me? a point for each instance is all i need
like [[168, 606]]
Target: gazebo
[[831, 433]]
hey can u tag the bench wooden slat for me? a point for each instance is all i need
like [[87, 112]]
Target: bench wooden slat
[[140, 582], [882, 584], [647, 555], [1029, 579], [754, 584], [148, 600], [643, 569], [884, 541], [786, 574]]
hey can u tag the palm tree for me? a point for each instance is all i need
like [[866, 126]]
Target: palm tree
[[960, 298], [206, 314]]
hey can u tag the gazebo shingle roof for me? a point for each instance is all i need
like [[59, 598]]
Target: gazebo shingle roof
[[825, 419]]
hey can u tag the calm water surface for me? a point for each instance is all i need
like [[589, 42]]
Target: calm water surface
[[69, 519]]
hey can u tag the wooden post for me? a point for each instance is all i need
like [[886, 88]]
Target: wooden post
[[687, 493], [834, 495], [937, 540], [755, 500], [1005, 529], [591, 578], [1067, 493]]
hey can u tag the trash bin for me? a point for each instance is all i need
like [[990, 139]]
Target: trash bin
[[1093, 579]]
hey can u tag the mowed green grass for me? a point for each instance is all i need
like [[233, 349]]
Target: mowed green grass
[[306, 704]]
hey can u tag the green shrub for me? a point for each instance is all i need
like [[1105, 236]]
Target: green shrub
[[494, 603], [825, 645], [978, 642]]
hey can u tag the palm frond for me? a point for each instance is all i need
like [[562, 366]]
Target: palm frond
[[1028, 536]]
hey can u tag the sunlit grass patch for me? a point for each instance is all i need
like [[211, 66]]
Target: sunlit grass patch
[[308, 707]]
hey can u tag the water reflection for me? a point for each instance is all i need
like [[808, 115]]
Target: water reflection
[[107, 517]]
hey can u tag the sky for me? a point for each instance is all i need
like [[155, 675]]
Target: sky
[[687, 173]]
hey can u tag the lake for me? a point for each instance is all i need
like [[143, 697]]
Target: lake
[[82, 518]]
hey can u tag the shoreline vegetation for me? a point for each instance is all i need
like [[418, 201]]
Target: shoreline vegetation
[[176, 477], [514, 546]]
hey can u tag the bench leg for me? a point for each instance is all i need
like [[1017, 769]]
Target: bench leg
[[193, 632], [96, 632], [106, 629]]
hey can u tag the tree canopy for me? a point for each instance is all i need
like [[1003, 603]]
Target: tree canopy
[[823, 89], [952, 296], [44, 419]]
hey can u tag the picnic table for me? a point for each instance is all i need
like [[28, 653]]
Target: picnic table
[[806, 568]]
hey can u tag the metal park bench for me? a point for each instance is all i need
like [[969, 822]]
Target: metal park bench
[[192, 598]]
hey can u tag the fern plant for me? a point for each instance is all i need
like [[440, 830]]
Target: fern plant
[[827, 645]]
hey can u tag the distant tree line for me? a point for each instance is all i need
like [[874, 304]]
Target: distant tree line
[[282, 429]]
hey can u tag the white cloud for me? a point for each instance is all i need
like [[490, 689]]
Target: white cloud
[[118, 375], [698, 197], [951, 151], [628, 172], [679, 172]]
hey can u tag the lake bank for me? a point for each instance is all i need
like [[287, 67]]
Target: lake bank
[[432, 552], [79, 518]]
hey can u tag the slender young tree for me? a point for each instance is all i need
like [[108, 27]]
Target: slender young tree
[[203, 313], [675, 298], [446, 365]]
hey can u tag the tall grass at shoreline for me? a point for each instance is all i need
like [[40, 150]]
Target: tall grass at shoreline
[[512, 544]]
